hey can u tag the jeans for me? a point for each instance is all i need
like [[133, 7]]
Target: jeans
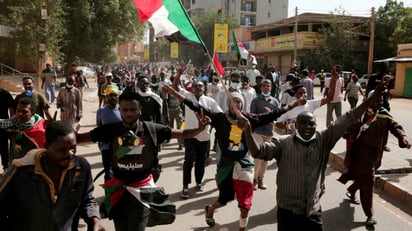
[[195, 152], [338, 112], [50, 92]]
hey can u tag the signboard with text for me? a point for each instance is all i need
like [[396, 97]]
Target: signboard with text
[[220, 40]]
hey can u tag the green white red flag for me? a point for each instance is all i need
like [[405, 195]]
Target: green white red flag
[[240, 49], [217, 64], [169, 19]]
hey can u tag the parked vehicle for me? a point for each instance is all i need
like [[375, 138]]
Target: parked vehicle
[[363, 80], [316, 81], [87, 71]]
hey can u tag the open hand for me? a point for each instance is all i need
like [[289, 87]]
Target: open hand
[[166, 89], [202, 119]]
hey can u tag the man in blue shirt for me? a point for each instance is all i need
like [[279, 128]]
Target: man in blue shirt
[[108, 114]]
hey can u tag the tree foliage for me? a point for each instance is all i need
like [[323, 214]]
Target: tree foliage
[[393, 27], [76, 30], [204, 23], [340, 48]]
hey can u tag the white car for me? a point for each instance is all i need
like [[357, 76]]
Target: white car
[[316, 81], [87, 71], [363, 80]]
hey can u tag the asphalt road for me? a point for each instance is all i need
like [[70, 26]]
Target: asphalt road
[[338, 213]]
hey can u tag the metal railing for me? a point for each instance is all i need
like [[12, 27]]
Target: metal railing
[[10, 71]]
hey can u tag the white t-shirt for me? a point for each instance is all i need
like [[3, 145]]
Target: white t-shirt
[[190, 117], [290, 116], [338, 96], [250, 94]]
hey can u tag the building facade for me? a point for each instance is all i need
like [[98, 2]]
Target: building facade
[[247, 12], [276, 43]]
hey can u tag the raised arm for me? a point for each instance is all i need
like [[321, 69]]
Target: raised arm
[[265, 118], [176, 80]]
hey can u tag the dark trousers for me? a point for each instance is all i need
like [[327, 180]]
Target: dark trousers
[[4, 148], [365, 185], [106, 158], [129, 214], [195, 152], [287, 220]]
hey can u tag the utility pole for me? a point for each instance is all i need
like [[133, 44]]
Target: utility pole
[[295, 51], [42, 41], [371, 42]]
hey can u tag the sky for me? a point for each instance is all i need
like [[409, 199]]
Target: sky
[[351, 7]]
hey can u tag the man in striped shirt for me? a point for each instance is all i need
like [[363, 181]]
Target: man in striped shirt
[[302, 160]]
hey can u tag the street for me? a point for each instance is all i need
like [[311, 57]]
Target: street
[[338, 213]]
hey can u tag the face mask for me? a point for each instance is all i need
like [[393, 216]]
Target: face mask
[[265, 94], [29, 93], [69, 85], [154, 84], [308, 140], [234, 85]]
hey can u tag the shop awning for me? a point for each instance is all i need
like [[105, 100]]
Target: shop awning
[[395, 59]]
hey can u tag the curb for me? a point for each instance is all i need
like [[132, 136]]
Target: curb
[[393, 190]]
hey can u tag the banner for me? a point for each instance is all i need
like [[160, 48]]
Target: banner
[[220, 40], [174, 50]]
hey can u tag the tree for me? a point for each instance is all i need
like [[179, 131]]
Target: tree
[[31, 31], [340, 48], [95, 28], [204, 23], [392, 23], [75, 30], [403, 31]]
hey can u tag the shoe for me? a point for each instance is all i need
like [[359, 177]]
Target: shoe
[[255, 186], [370, 221], [352, 198], [185, 193], [386, 148], [261, 185], [200, 187], [209, 220]]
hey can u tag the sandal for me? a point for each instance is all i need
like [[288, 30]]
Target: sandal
[[209, 220]]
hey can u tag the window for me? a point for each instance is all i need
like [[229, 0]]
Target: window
[[248, 7], [268, 14], [193, 1], [269, 1]]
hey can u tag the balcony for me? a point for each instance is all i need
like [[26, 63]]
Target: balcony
[[248, 21], [248, 7]]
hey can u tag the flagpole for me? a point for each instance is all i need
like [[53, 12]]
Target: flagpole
[[197, 33], [229, 96]]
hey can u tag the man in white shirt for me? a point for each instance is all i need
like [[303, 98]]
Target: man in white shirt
[[251, 73], [336, 101], [214, 87], [248, 91], [196, 147], [286, 122]]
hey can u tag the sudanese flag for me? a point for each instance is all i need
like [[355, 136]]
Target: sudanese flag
[[169, 19]]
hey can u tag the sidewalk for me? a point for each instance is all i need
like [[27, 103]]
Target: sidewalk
[[394, 177]]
